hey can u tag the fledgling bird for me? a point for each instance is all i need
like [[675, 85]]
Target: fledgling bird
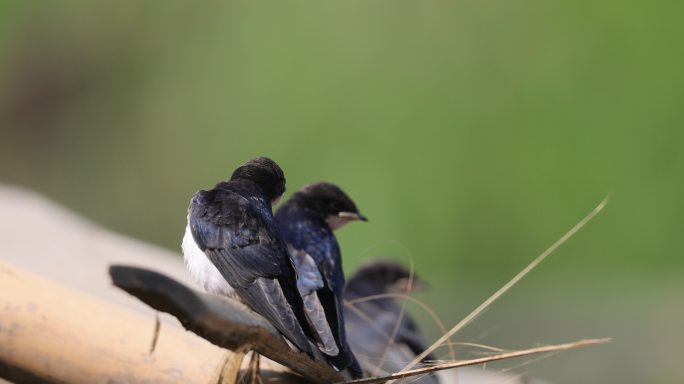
[[307, 221], [232, 247], [371, 323]]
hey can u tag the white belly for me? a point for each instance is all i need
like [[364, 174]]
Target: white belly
[[202, 271]]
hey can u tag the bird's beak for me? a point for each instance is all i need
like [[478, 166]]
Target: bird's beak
[[420, 285], [417, 285], [352, 216]]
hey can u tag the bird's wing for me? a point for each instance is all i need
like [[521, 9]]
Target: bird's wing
[[309, 278], [321, 245], [244, 246], [371, 324], [309, 281], [409, 334]]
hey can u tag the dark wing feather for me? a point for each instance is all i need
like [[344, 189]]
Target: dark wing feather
[[409, 334], [322, 245], [309, 281], [241, 242]]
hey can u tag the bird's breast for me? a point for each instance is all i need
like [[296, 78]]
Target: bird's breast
[[202, 271]]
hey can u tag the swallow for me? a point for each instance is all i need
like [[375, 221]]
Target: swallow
[[371, 323], [232, 247], [307, 221]]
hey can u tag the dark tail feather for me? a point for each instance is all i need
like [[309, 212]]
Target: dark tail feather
[[346, 360]]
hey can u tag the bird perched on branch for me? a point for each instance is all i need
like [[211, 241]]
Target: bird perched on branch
[[307, 221], [375, 324], [232, 247]]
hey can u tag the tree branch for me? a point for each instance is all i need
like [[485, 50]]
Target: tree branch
[[223, 322]]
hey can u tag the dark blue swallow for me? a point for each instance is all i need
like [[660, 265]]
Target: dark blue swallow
[[307, 222], [232, 247], [371, 323]]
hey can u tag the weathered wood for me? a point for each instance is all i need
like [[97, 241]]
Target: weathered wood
[[224, 322], [53, 334]]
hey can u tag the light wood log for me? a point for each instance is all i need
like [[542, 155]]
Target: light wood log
[[53, 334]]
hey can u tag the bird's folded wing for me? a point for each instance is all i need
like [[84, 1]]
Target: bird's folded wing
[[243, 247]]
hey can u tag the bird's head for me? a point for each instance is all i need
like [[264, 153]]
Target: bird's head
[[266, 174], [331, 203], [391, 276]]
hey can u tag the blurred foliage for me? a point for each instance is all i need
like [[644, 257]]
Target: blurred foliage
[[472, 134]]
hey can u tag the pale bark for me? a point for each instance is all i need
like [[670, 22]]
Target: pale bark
[[53, 334]]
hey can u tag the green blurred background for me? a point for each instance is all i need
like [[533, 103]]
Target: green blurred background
[[473, 134]]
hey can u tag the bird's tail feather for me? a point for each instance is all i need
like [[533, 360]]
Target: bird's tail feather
[[316, 316], [268, 296]]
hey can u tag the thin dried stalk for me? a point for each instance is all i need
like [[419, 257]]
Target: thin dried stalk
[[482, 360], [508, 285]]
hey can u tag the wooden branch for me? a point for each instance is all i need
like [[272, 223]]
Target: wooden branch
[[223, 322]]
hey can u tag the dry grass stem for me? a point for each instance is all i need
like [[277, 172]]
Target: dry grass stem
[[508, 285], [230, 371], [476, 345], [482, 360], [526, 363]]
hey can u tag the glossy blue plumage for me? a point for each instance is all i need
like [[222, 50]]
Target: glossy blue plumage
[[307, 233]]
